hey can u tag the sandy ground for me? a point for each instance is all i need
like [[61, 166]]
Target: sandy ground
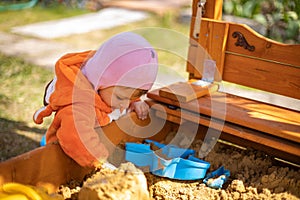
[[254, 175]]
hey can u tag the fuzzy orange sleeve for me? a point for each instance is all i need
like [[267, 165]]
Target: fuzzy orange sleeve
[[77, 136]]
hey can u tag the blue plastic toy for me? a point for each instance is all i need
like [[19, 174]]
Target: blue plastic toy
[[43, 140], [217, 178], [179, 163], [172, 151]]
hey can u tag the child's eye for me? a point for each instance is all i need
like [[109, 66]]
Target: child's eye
[[119, 98], [122, 98]]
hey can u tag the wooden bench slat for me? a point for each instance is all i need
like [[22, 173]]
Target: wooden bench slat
[[277, 147], [213, 46], [270, 119], [46, 166], [264, 48], [267, 76]]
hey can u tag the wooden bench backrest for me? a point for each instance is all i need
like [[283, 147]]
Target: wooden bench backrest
[[244, 57]]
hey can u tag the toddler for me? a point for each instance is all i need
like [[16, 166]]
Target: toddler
[[92, 89]]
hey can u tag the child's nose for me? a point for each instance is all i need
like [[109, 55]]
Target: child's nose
[[124, 105]]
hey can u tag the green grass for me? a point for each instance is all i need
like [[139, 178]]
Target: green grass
[[21, 93], [21, 89]]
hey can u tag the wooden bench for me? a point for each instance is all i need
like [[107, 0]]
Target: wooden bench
[[245, 58]]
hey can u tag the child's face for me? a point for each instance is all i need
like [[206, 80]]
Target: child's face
[[118, 97]]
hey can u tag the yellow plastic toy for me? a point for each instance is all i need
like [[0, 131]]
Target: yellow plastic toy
[[17, 191]]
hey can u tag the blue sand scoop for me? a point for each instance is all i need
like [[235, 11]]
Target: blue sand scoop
[[176, 163]]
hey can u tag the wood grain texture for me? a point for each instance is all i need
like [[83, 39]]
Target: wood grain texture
[[274, 146], [262, 75], [50, 167], [270, 66], [263, 117], [47, 166], [186, 91], [212, 40], [264, 48]]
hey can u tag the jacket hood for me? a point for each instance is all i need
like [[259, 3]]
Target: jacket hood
[[70, 80], [127, 59]]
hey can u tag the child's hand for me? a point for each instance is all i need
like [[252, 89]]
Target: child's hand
[[141, 108]]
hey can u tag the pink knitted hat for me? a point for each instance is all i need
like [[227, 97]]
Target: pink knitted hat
[[126, 59]]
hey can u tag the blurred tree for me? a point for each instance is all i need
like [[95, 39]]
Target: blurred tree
[[280, 17]]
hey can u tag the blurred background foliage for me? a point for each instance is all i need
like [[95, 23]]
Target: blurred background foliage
[[279, 17]]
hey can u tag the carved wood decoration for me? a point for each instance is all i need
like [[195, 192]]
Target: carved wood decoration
[[241, 41]]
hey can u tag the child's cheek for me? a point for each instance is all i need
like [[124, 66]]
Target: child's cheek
[[114, 102]]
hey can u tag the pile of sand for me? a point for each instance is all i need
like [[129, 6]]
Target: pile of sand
[[254, 175]]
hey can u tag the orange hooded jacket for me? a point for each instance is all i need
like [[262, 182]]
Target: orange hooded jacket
[[126, 59], [74, 121]]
